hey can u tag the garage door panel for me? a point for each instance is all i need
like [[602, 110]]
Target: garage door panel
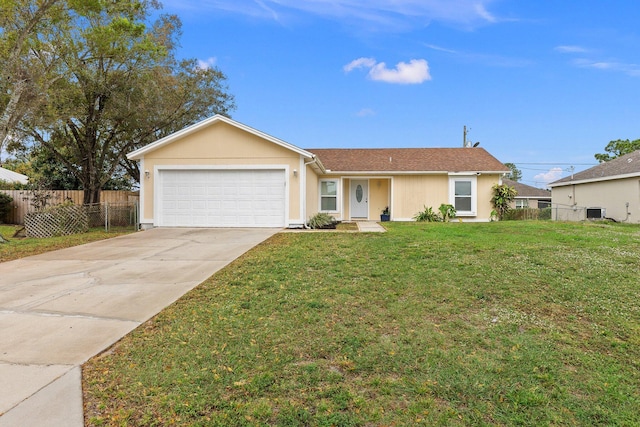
[[222, 198]]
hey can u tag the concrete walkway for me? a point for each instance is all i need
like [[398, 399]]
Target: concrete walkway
[[370, 227], [61, 308]]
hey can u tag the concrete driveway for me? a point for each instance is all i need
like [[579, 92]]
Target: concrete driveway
[[61, 308]]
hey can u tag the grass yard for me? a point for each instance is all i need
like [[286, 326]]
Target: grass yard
[[23, 247], [510, 323]]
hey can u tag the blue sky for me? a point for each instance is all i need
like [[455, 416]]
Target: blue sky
[[542, 84]]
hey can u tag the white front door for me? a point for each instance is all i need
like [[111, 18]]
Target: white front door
[[360, 199]]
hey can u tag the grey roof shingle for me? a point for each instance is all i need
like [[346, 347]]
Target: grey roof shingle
[[628, 164], [408, 160]]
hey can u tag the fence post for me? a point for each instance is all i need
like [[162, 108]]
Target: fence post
[[136, 215], [106, 217]]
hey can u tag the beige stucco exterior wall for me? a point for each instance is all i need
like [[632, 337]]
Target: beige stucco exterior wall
[[411, 193], [611, 195], [485, 194], [379, 197], [221, 145], [406, 195], [313, 193]]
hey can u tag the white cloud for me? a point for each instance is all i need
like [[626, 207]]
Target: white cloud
[[366, 112], [207, 63], [571, 49], [441, 49], [553, 174], [396, 14], [414, 72], [632, 70], [485, 59], [359, 63], [482, 12]]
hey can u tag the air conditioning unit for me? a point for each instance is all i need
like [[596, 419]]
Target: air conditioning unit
[[596, 213]]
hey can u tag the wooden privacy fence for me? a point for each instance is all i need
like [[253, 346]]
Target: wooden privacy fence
[[23, 200]]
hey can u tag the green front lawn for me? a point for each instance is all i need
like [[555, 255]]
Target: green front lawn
[[510, 323], [23, 247]]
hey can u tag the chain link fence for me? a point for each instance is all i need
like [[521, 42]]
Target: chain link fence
[[568, 213], [529, 214], [556, 212], [109, 215]]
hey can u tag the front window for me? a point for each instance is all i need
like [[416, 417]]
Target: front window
[[462, 195], [329, 196]]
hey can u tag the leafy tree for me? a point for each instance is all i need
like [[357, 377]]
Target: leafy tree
[[618, 148], [516, 174], [120, 87], [503, 195], [29, 30]]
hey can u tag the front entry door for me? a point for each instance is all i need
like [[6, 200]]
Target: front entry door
[[359, 199]]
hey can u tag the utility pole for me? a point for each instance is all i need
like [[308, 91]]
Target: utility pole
[[464, 137]]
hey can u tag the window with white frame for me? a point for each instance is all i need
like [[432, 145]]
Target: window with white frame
[[522, 203], [462, 194], [329, 195]]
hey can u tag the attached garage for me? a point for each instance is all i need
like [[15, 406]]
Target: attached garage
[[221, 173], [221, 197]]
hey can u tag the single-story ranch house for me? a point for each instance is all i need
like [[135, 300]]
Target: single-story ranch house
[[528, 196], [608, 190], [221, 173]]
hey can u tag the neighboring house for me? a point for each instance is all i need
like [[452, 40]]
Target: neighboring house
[[221, 173], [528, 196], [11, 176], [608, 190]]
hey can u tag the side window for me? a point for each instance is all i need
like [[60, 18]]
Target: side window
[[329, 196], [462, 195]]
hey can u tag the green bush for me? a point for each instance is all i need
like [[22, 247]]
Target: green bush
[[5, 206], [503, 195], [427, 215], [322, 220], [447, 212]]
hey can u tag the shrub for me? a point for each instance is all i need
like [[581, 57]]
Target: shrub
[[447, 212], [427, 215], [5, 206], [503, 195], [322, 220]]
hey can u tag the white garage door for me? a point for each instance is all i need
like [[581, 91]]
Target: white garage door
[[221, 198]]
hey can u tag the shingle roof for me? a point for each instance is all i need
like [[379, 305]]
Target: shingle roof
[[408, 160], [527, 191], [629, 164], [11, 176]]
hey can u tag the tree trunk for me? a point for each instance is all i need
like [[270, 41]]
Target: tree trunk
[[91, 195], [11, 114]]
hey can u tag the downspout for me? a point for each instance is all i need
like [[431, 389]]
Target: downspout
[[314, 159]]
